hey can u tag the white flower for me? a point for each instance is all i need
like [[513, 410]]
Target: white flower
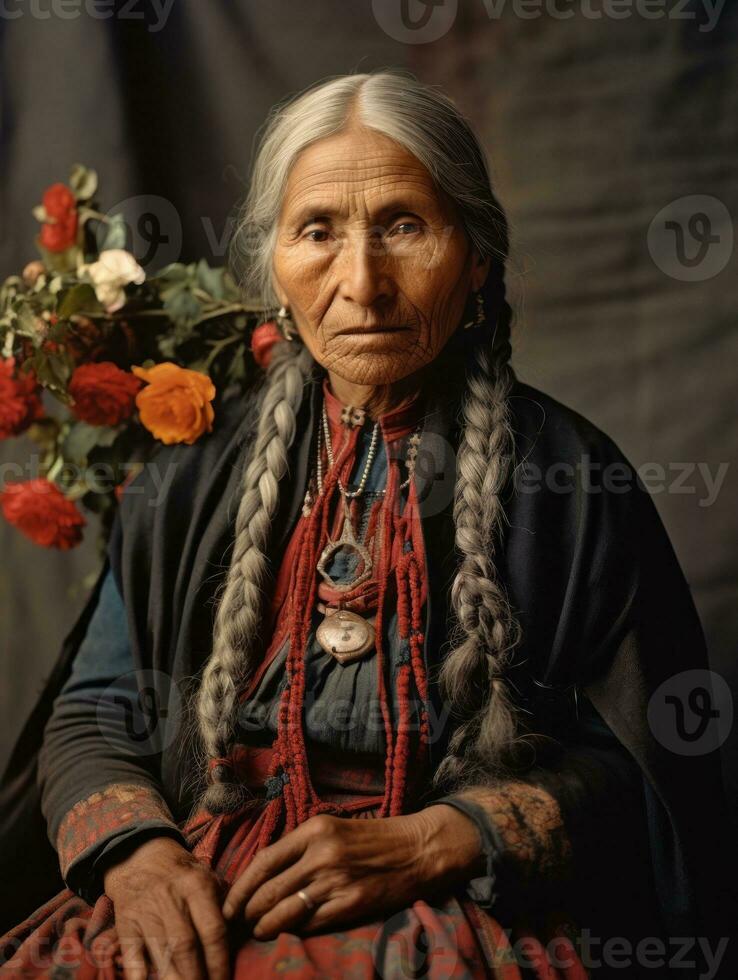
[[114, 269]]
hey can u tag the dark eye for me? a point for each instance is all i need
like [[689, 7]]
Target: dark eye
[[316, 231], [409, 226]]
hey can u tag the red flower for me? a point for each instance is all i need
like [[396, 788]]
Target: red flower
[[102, 393], [40, 510], [263, 339], [19, 401], [58, 201], [61, 206]]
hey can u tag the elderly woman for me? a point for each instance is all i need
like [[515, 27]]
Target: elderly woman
[[401, 614]]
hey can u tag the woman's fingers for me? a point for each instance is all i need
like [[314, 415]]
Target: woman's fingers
[[133, 956], [287, 915], [211, 929], [144, 944], [276, 889], [176, 949], [265, 865], [340, 910], [292, 914]]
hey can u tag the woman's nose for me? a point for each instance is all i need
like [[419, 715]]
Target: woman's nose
[[364, 271]]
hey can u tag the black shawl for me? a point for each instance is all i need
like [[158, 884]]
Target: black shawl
[[590, 572]]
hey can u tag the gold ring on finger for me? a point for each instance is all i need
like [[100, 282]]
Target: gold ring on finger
[[309, 903]]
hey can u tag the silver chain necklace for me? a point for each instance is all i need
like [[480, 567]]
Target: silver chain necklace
[[343, 633], [324, 434]]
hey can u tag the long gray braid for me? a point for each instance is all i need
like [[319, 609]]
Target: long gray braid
[[431, 127], [472, 675], [237, 634], [486, 632]]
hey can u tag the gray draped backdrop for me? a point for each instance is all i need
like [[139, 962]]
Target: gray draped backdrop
[[613, 146]]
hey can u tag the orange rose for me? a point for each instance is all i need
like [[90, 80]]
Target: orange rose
[[175, 404]]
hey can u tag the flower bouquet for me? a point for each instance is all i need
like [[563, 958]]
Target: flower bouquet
[[128, 360]]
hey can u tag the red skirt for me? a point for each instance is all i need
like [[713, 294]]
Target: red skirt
[[447, 939]]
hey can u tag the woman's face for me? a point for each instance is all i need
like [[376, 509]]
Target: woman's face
[[371, 259]]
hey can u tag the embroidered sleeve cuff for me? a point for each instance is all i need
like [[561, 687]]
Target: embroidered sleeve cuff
[[107, 814], [484, 889]]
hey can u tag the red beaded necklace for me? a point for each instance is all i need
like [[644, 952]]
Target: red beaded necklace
[[397, 551]]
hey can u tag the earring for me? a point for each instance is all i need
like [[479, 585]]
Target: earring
[[480, 314], [286, 324]]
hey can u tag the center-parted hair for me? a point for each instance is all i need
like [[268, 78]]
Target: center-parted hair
[[429, 125]]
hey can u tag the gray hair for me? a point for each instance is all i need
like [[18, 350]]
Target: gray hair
[[428, 124], [417, 116]]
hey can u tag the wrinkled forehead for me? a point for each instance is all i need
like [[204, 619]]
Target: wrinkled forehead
[[358, 172]]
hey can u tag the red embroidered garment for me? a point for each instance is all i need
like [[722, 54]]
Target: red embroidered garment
[[295, 778]]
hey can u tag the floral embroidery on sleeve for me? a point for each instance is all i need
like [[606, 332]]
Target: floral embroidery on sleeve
[[529, 822], [103, 813]]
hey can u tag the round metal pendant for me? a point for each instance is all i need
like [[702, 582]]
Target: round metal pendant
[[345, 635]]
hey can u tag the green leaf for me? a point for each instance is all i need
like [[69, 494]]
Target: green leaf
[[66, 261], [61, 366], [79, 297], [166, 293], [107, 435], [83, 438], [53, 372], [185, 310], [167, 346], [80, 440], [174, 272], [83, 182], [25, 323], [201, 365], [210, 280], [116, 235], [237, 367], [230, 289]]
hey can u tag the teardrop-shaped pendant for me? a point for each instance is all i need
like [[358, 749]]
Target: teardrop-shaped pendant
[[345, 635], [346, 540]]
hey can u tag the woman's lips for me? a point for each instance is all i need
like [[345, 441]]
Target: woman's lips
[[371, 329]]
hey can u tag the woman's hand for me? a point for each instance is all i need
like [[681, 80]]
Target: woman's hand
[[352, 869], [167, 910]]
